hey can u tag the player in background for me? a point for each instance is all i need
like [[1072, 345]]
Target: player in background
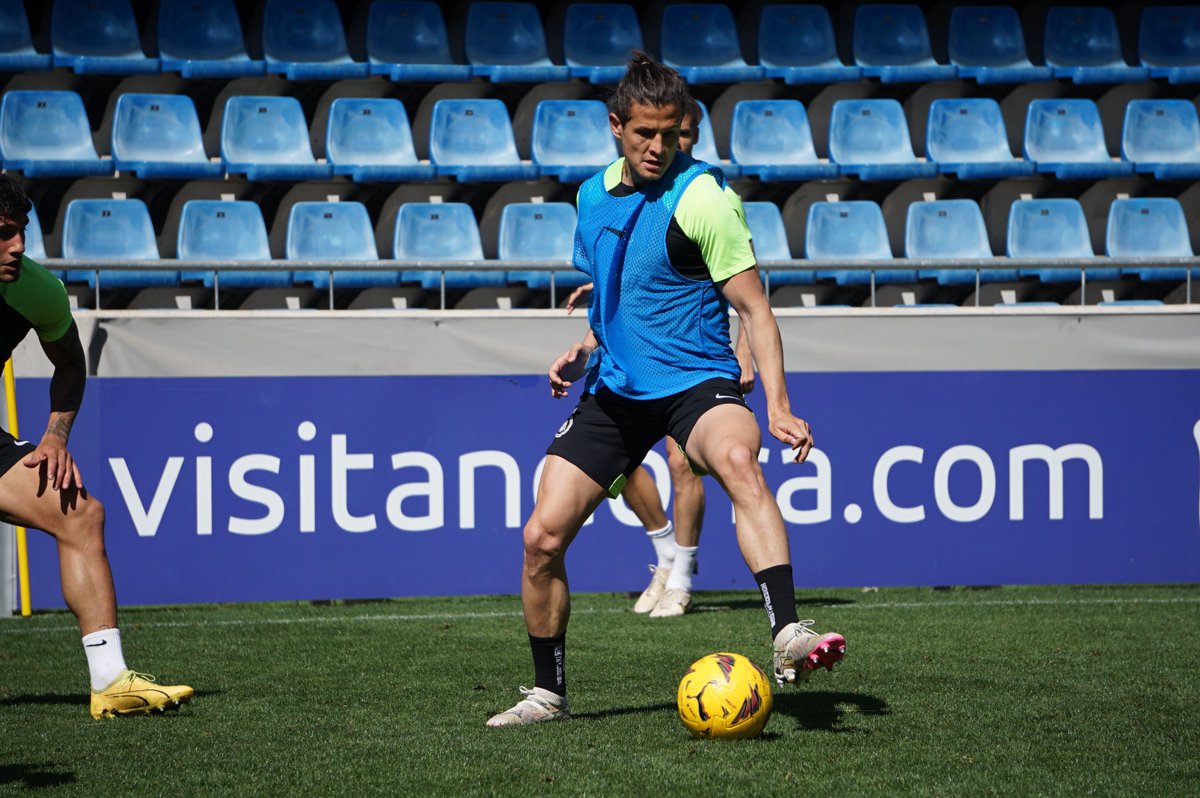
[[668, 257], [41, 487]]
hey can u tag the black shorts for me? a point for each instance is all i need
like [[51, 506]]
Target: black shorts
[[12, 451], [607, 435]]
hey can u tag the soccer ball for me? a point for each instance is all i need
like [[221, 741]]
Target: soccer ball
[[724, 696]]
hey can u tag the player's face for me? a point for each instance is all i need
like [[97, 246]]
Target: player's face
[[12, 246], [648, 140], [687, 134]]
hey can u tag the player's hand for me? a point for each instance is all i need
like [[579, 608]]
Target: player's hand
[[573, 299], [795, 432], [567, 368], [62, 473], [746, 381]]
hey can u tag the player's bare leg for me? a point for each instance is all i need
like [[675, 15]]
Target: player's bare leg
[[676, 598], [641, 494]]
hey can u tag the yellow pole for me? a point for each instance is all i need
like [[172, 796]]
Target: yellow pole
[[10, 395]]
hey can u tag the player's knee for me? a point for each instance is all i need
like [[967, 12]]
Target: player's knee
[[680, 467], [542, 544], [740, 465], [84, 524]]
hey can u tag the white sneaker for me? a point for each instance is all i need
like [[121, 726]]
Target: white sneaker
[[673, 602], [653, 592], [538, 705], [799, 651]]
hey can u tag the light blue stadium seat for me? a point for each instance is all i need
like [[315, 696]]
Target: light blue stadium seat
[[851, 231], [796, 43], [571, 139], [539, 231], [1052, 228], [1150, 227], [442, 231], [266, 138], [370, 140], [336, 231], [771, 243], [1162, 137], [968, 138], [1082, 43], [98, 37], [1169, 42], [472, 140], [46, 134], [407, 41], [987, 44], [96, 229], [506, 43], [158, 135], [950, 230], [771, 139], [891, 42], [1066, 137], [597, 40], [227, 230], [870, 138], [706, 148], [305, 40], [17, 53], [203, 39], [701, 42], [35, 245]]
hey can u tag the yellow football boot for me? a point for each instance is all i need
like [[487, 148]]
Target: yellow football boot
[[134, 693]]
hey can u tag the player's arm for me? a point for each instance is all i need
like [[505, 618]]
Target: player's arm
[[745, 360], [571, 365], [66, 395]]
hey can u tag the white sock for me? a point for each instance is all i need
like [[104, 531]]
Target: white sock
[[104, 656], [681, 572], [664, 544]]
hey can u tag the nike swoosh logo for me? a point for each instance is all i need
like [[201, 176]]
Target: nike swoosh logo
[[616, 232], [724, 396], [96, 645]]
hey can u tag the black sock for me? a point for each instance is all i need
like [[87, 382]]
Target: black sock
[[779, 596], [549, 663]]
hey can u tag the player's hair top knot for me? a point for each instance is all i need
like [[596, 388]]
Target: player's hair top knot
[[647, 82]]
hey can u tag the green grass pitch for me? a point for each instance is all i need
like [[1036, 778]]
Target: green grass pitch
[[1008, 691]]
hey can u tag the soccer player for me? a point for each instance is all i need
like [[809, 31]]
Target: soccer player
[[41, 487], [659, 325]]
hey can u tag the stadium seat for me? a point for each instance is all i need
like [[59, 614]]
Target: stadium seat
[[796, 43], [987, 44], [407, 41], [203, 39], [869, 138], [1169, 42], [1162, 137], [506, 43], [370, 140], [771, 140], [706, 148], [97, 229], [1082, 43], [1052, 228], [1066, 137], [852, 230], [35, 245], [571, 139], [334, 231], [158, 135], [305, 40], [968, 138], [539, 231], [46, 134], [597, 39], [891, 42], [950, 230], [17, 53], [226, 230], [266, 138], [98, 37], [1151, 227], [442, 231], [701, 43], [771, 243], [472, 140]]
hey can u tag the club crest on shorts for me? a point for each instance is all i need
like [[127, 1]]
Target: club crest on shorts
[[565, 428]]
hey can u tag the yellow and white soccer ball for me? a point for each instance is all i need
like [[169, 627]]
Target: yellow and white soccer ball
[[724, 696]]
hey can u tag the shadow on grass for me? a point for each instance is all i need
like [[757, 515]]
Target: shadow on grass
[[756, 603], [825, 711], [649, 709], [44, 698], [36, 776]]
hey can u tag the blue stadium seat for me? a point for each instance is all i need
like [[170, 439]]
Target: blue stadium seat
[[35, 245], [1052, 228], [370, 140], [203, 39], [987, 44], [407, 41], [571, 139], [1082, 43], [442, 231], [1163, 137], [96, 229], [1152, 227], [305, 40], [46, 134], [869, 138], [337, 231], [851, 231], [98, 37], [796, 43], [597, 39], [771, 243], [226, 230], [706, 148], [950, 230], [891, 42], [968, 138], [1169, 42], [266, 138], [158, 135], [17, 53], [472, 140], [771, 140], [506, 43], [701, 42], [1066, 137], [539, 231]]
